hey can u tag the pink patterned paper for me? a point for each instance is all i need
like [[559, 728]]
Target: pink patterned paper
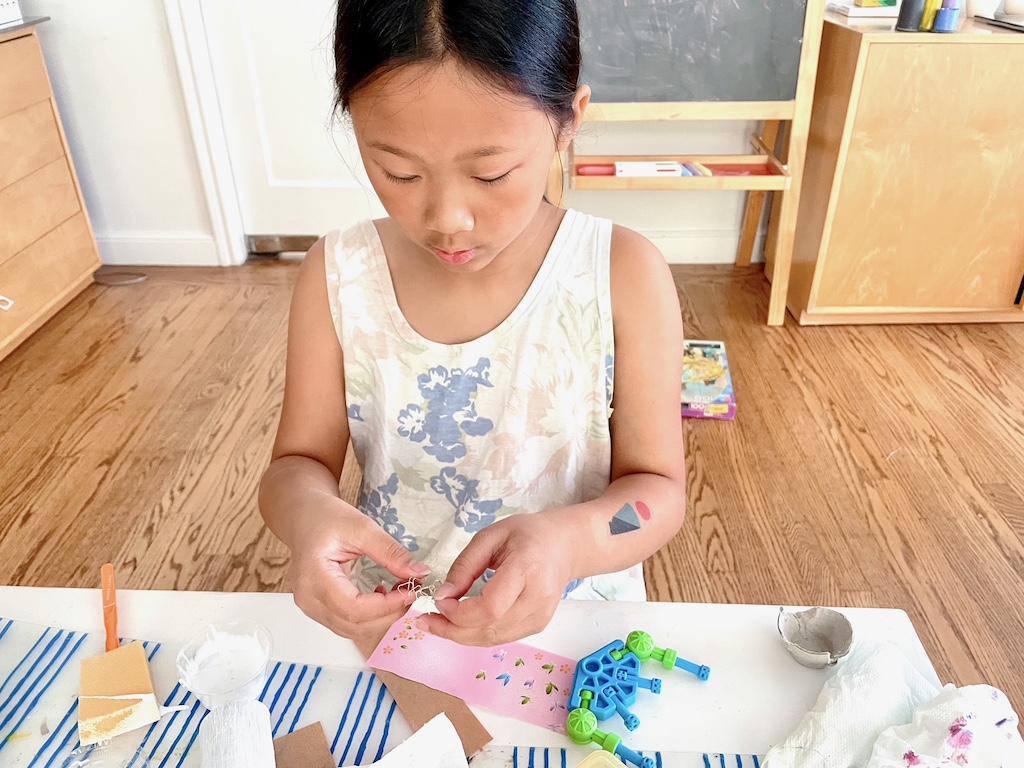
[[516, 680]]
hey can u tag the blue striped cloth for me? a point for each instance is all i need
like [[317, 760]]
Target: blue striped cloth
[[39, 674]]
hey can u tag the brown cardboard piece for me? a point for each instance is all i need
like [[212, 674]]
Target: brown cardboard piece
[[419, 705], [304, 748]]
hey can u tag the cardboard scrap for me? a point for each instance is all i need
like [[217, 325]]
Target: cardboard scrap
[[304, 748], [420, 704]]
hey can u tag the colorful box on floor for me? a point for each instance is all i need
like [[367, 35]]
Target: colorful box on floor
[[707, 391]]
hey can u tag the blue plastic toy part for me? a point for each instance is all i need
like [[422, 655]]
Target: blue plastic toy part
[[612, 682], [628, 754]]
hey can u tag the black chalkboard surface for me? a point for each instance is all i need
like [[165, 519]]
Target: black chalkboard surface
[[691, 50]]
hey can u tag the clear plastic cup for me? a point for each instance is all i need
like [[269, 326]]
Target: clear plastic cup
[[226, 662]]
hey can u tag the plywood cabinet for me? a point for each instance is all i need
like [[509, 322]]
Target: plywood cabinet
[[47, 249], [913, 202]]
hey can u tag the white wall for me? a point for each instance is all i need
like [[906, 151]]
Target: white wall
[[117, 87], [118, 92]]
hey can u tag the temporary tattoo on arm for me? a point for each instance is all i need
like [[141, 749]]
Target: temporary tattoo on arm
[[628, 518]]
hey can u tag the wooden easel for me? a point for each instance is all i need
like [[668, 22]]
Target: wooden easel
[[780, 146]]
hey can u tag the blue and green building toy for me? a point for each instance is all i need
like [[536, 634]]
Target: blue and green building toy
[[606, 684]]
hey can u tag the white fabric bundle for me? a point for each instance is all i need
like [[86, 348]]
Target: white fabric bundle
[[238, 734]]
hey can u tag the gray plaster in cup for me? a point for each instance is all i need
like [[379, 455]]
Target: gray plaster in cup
[[817, 637]]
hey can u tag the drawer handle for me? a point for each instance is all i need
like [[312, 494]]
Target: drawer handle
[[6, 303]]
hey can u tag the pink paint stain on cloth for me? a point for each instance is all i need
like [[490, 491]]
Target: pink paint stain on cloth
[[515, 680]]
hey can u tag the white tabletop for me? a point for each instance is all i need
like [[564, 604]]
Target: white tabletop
[[755, 696]]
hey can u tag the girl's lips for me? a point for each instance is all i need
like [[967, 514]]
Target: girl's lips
[[455, 257]]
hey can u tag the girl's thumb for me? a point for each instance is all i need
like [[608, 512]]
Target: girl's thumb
[[389, 554]]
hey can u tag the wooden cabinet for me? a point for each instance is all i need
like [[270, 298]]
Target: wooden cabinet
[[47, 249], [912, 208]]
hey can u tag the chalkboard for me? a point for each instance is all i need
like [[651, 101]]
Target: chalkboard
[[691, 50]]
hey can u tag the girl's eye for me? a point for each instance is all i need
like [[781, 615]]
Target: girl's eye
[[496, 180], [400, 179]]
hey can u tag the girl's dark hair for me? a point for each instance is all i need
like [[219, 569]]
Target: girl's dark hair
[[531, 47]]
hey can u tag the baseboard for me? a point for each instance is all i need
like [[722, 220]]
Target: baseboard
[[716, 246], [178, 249]]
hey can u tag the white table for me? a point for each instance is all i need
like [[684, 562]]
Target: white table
[[755, 696]]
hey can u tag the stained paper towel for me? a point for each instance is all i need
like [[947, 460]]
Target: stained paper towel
[[972, 726], [435, 745]]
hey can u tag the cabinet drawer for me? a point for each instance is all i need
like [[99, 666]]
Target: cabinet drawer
[[43, 278], [23, 80], [29, 139], [35, 205]]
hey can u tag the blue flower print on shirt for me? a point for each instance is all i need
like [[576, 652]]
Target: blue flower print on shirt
[[471, 513], [410, 423], [448, 412], [377, 505], [354, 414]]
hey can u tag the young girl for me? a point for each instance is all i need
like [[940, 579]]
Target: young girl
[[508, 371]]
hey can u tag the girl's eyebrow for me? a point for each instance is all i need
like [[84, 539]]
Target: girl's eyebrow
[[489, 151]]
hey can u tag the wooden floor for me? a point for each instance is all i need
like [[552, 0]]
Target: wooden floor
[[867, 466]]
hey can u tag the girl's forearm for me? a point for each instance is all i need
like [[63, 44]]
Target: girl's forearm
[[291, 485], [632, 520]]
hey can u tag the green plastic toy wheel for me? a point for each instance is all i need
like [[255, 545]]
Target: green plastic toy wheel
[[580, 726], [641, 644]]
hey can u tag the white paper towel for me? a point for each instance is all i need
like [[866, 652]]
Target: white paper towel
[[873, 688], [879, 712]]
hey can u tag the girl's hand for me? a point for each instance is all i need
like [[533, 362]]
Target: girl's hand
[[326, 543], [533, 560]]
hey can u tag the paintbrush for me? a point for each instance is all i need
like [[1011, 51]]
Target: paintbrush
[[115, 694]]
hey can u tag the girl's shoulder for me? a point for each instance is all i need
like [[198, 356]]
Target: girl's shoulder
[[636, 262]]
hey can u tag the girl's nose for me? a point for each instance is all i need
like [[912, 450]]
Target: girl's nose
[[447, 215]]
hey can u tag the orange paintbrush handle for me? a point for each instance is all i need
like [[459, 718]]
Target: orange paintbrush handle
[[109, 605]]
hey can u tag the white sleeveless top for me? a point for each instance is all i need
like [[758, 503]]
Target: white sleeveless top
[[453, 437]]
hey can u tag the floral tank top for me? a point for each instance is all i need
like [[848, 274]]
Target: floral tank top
[[454, 437]]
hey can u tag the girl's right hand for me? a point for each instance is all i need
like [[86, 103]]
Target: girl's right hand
[[326, 543]]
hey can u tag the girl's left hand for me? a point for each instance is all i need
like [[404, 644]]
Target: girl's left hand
[[533, 561]]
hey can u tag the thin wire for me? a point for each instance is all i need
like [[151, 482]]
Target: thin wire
[[419, 589]]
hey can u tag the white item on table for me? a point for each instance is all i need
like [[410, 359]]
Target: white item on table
[[875, 688], [10, 12], [435, 745], [1013, 8], [226, 662], [974, 726], [986, 8], [237, 734]]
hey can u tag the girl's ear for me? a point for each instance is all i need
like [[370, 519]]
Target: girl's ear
[[579, 108]]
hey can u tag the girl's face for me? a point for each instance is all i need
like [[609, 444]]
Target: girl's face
[[459, 165]]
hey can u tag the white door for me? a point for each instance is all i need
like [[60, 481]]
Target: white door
[[296, 169]]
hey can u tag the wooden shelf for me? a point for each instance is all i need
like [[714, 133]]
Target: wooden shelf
[[765, 173]]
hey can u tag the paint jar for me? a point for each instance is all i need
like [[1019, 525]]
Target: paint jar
[[911, 14], [947, 20], [226, 662]]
